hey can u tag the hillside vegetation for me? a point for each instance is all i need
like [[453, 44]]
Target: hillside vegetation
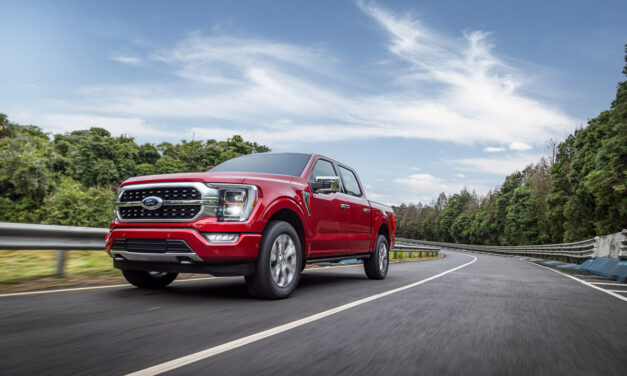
[[72, 178], [576, 193]]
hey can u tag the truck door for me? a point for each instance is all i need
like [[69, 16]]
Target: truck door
[[356, 218], [325, 212]]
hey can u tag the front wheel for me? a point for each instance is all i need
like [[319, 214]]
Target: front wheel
[[376, 266], [148, 280], [278, 267]]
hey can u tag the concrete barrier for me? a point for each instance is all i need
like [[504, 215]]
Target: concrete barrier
[[612, 268]]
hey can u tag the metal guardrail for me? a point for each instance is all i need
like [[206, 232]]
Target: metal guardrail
[[22, 236], [407, 247], [577, 251]]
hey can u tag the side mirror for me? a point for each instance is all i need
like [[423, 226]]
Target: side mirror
[[326, 184]]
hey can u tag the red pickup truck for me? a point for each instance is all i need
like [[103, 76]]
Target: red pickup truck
[[262, 216]]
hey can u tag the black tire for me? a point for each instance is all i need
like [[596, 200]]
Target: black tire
[[373, 267], [148, 280], [261, 283]]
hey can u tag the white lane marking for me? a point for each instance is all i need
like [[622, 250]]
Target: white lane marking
[[93, 287], [128, 285], [623, 291], [609, 283], [609, 292], [207, 353]]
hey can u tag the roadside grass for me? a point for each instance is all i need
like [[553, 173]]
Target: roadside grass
[[35, 269], [404, 256]]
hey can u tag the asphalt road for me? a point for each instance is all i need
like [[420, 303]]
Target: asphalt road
[[495, 316]]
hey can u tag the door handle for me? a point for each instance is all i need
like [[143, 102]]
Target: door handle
[[366, 210], [345, 206]]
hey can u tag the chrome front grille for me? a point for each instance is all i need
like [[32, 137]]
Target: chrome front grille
[[166, 211], [180, 201], [165, 193]]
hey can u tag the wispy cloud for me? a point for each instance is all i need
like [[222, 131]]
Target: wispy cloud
[[496, 166], [494, 149], [229, 60], [519, 146], [426, 187], [480, 98], [130, 60]]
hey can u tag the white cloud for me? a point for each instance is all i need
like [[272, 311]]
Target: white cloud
[[62, 122], [425, 187], [461, 176], [480, 97], [228, 60], [415, 168], [520, 146], [497, 166], [494, 149], [130, 60]]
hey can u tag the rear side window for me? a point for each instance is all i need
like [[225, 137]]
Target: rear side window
[[351, 186], [322, 168]]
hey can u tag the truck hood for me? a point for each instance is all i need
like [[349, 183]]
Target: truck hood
[[210, 177], [205, 177]]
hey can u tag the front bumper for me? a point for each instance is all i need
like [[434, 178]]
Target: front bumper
[[217, 269], [198, 253]]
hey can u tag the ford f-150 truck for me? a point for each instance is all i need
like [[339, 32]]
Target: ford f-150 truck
[[262, 216]]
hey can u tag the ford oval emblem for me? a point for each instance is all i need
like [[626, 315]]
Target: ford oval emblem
[[152, 203]]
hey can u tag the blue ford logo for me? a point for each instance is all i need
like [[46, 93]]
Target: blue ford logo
[[152, 203]]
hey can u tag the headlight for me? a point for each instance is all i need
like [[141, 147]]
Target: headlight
[[235, 202]]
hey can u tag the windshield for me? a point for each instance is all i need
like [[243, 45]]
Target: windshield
[[291, 164]]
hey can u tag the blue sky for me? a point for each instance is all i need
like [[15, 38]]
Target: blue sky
[[419, 97]]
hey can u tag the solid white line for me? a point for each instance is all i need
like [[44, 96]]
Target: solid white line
[[207, 353], [622, 291], [92, 287], [609, 292], [608, 283], [127, 285]]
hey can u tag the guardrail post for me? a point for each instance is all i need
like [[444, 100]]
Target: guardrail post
[[60, 262]]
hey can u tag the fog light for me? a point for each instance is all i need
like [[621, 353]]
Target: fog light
[[221, 237]]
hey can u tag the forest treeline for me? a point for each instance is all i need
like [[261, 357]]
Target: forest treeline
[[72, 178], [577, 192]]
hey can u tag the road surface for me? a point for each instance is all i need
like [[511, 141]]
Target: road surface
[[464, 314]]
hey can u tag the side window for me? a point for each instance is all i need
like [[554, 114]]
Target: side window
[[322, 168], [351, 186]]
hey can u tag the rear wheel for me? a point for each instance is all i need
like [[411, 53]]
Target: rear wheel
[[148, 280], [376, 266], [278, 267]]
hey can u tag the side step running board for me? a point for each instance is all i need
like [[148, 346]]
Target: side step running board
[[338, 258]]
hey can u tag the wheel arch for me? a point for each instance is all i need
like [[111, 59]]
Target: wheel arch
[[287, 210], [385, 231]]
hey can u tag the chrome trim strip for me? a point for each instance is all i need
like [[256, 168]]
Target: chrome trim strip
[[170, 202], [159, 257]]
